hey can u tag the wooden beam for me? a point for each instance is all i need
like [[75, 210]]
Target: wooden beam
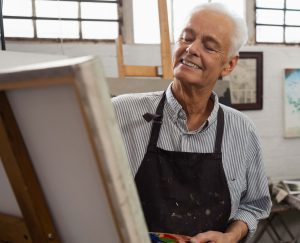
[[20, 172], [132, 70], [140, 71], [13, 229], [14, 82], [165, 47], [119, 44]]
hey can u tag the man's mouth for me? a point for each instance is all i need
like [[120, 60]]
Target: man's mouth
[[190, 64]]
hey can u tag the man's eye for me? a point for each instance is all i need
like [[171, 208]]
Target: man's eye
[[186, 40], [210, 49]]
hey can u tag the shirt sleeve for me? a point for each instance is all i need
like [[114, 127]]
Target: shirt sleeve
[[255, 203]]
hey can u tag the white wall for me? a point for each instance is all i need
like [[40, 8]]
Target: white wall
[[282, 156]]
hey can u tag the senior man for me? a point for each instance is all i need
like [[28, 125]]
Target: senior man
[[197, 163]]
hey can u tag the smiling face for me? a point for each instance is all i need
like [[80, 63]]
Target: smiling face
[[201, 53]]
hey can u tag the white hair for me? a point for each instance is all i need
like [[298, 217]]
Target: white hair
[[240, 35]]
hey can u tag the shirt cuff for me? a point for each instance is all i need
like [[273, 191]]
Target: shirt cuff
[[249, 219]]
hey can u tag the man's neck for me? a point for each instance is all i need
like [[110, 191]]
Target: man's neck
[[196, 103]]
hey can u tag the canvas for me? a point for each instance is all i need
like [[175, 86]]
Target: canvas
[[68, 178]]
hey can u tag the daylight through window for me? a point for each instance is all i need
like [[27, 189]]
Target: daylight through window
[[67, 19], [146, 20]]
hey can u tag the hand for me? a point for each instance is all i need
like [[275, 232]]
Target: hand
[[213, 237]]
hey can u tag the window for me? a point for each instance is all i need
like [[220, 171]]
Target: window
[[68, 19], [146, 21], [278, 21]]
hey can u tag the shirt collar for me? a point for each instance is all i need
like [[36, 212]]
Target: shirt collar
[[175, 110]]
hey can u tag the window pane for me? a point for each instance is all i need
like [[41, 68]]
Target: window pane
[[237, 5], [17, 7], [269, 34], [293, 4], [57, 29], [270, 3], [99, 10], [56, 9], [292, 34], [145, 21], [99, 30], [269, 16], [292, 18], [18, 28], [181, 9]]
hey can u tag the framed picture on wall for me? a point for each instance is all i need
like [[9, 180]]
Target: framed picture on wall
[[243, 88], [292, 102]]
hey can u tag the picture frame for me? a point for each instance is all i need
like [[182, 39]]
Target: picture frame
[[243, 88], [291, 102]]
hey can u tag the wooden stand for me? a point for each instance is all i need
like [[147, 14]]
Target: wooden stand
[[63, 155], [150, 71], [37, 225]]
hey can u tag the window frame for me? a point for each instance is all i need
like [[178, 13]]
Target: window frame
[[284, 25], [125, 20], [119, 20]]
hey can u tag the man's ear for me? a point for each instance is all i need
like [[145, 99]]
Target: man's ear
[[230, 66]]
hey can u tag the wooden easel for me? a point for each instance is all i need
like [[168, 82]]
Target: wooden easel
[[36, 226], [107, 207], [150, 71]]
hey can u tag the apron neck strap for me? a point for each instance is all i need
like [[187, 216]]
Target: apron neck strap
[[157, 121], [220, 129]]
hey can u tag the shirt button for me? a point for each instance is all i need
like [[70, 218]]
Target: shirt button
[[181, 115]]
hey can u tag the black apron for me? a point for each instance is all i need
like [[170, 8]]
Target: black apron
[[181, 192]]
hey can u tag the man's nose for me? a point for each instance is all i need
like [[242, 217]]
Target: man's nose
[[193, 48]]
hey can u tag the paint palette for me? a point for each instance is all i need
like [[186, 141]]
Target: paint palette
[[167, 238]]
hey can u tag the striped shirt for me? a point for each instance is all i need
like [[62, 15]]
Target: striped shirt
[[241, 149]]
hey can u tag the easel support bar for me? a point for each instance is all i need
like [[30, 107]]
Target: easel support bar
[[24, 182], [165, 48]]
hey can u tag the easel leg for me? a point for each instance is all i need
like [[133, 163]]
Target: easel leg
[[24, 182]]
